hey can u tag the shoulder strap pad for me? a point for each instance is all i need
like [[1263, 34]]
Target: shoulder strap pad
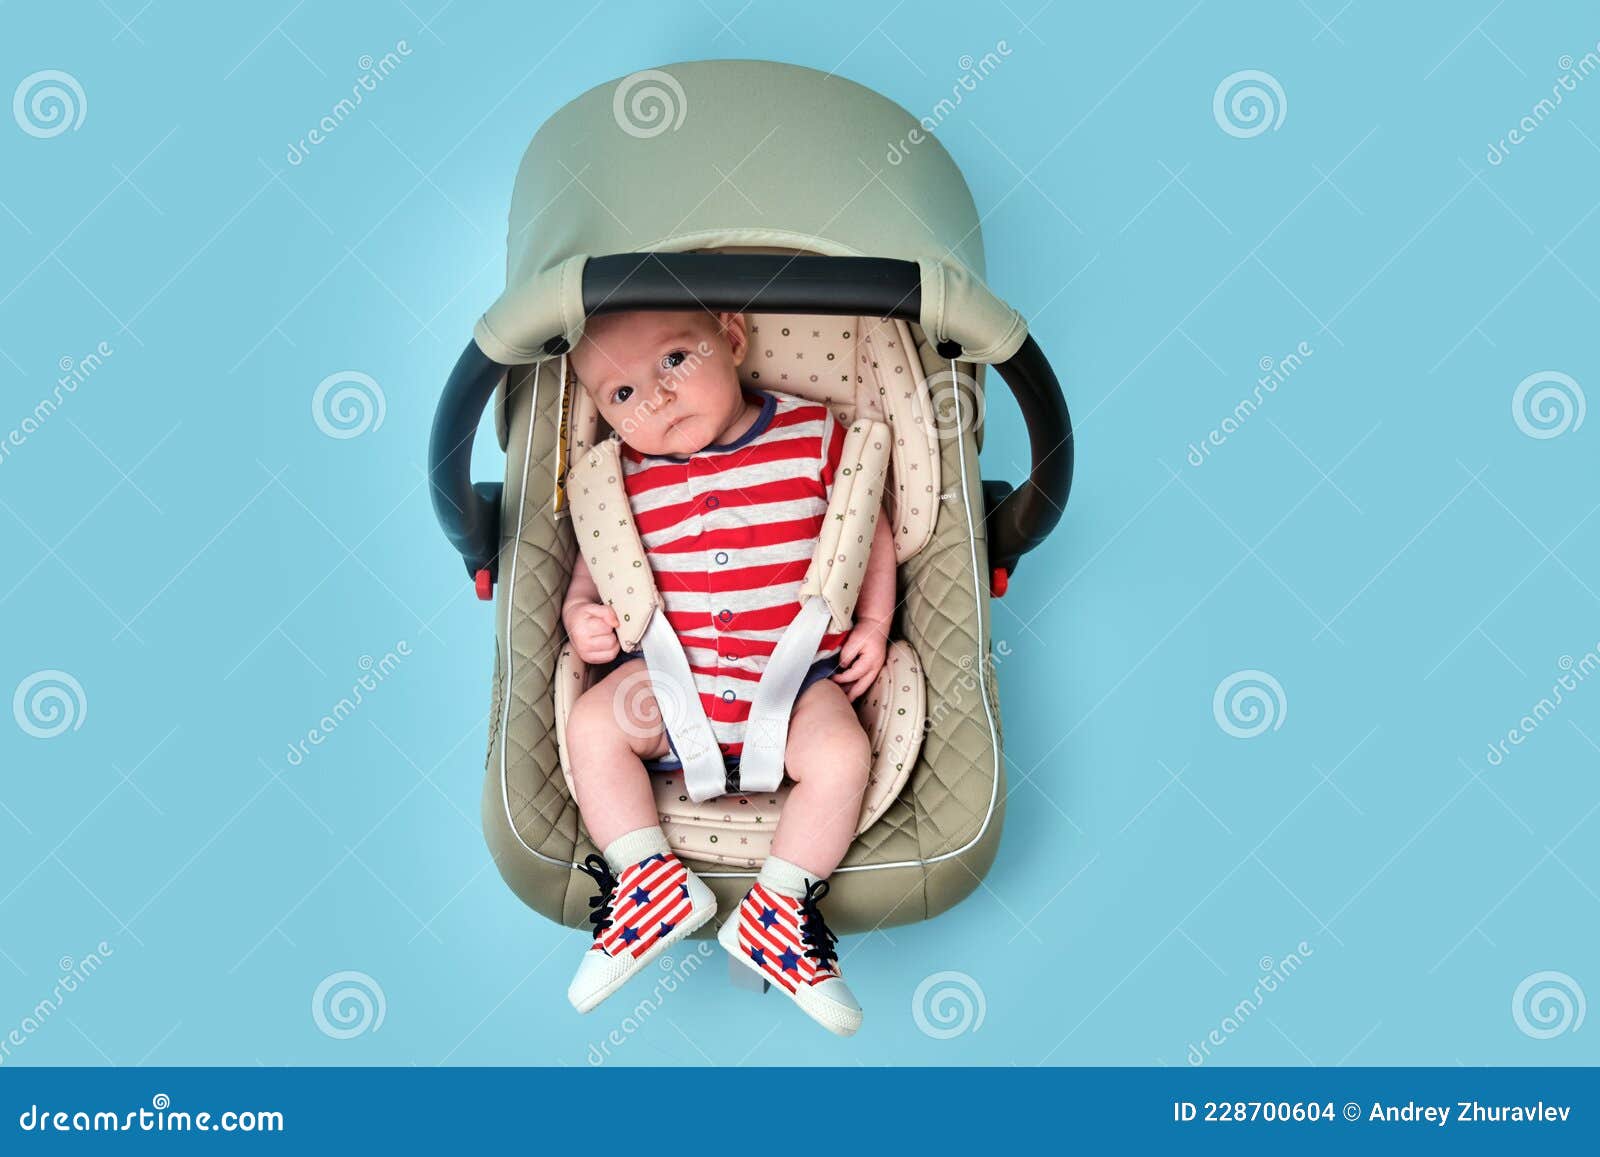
[[609, 540], [846, 539]]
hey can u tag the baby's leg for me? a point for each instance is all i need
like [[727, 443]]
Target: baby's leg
[[614, 726], [778, 930], [646, 899], [829, 757]]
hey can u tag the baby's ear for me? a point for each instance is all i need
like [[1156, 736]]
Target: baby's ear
[[734, 330]]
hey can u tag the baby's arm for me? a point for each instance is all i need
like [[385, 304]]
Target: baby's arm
[[862, 656], [591, 625]]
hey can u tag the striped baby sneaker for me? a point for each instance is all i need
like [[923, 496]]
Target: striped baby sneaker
[[639, 912], [783, 938]]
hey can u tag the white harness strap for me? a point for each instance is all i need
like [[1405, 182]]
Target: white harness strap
[[678, 699], [608, 538], [766, 730]]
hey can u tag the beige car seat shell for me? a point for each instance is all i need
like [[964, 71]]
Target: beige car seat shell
[[927, 848], [722, 180]]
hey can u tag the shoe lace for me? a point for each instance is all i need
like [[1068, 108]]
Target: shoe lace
[[814, 931], [596, 867]]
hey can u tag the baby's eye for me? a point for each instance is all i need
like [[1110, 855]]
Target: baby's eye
[[675, 359], [621, 394]]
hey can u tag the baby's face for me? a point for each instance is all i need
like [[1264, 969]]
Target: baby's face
[[667, 383]]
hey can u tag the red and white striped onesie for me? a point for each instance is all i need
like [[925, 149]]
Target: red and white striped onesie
[[730, 533]]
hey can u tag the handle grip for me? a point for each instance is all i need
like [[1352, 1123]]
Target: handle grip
[[761, 283]]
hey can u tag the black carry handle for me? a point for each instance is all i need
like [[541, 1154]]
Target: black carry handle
[[470, 514], [1017, 521]]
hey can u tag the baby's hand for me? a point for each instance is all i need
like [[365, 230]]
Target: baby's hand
[[592, 627], [862, 657]]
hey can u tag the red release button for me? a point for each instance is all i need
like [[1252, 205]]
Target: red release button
[[999, 579], [483, 583]]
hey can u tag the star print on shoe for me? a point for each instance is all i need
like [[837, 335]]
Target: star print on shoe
[[652, 905], [786, 941]]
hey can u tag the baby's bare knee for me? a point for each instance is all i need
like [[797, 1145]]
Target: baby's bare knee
[[617, 713], [840, 755], [592, 720]]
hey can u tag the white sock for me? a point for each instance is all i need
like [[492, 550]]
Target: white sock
[[784, 878], [631, 847]]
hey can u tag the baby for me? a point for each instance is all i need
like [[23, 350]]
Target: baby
[[728, 488]]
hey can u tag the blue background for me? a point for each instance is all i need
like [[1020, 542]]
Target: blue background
[[1381, 536]]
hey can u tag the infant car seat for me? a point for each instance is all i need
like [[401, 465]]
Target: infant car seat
[[755, 187]]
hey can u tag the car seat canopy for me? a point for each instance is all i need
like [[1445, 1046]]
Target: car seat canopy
[[721, 154]]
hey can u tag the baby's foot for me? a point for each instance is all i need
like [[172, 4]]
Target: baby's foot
[[784, 939], [651, 905]]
